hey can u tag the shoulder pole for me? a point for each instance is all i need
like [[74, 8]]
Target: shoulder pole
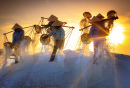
[[13, 31]]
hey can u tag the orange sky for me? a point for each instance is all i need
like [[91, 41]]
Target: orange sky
[[29, 12]]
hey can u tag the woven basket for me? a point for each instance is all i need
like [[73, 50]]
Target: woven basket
[[44, 41], [26, 38], [86, 38], [8, 44], [38, 29]]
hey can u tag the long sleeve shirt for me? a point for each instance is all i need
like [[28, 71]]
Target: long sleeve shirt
[[95, 28], [102, 23], [93, 31], [17, 36], [57, 33], [84, 23]]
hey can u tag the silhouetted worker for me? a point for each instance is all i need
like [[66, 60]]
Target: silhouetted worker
[[58, 34], [111, 14], [85, 22], [17, 35], [99, 32], [93, 31], [103, 31]]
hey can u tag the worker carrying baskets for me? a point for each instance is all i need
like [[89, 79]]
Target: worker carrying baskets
[[85, 22], [59, 37], [99, 31], [85, 38], [51, 20], [17, 36]]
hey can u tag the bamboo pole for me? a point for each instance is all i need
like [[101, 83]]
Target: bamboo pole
[[13, 31], [114, 18], [62, 26], [84, 28], [44, 18], [68, 27], [8, 32]]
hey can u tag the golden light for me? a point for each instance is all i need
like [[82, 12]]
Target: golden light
[[91, 47], [71, 43], [116, 36]]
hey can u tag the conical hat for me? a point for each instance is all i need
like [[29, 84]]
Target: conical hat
[[57, 23], [52, 18], [87, 14], [16, 26], [100, 15], [94, 19], [111, 11]]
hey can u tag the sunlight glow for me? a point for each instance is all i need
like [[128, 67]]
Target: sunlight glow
[[71, 43], [116, 35], [91, 46], [74, 39]]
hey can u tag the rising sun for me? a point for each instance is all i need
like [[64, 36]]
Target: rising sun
[[116, 36]]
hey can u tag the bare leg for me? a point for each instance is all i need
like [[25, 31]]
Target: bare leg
[[16, 54], [53, 53], [95, 52]]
